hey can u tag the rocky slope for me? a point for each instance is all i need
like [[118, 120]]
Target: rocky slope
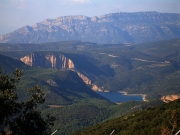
[[169, 98], [111, 28]]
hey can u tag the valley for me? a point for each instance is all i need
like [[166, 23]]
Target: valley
[[115, 72], [71, 78], [136, 69]]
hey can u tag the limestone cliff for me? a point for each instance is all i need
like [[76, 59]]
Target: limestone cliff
[[52, 61], [56, 61], [84, 78], [169, 98], [48, 61], [27, 60]]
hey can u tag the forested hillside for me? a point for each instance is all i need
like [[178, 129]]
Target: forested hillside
[[152, 121], [151, 68], [67, 98]]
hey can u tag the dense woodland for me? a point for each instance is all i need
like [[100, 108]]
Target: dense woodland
[[152, 121], [151, 68]]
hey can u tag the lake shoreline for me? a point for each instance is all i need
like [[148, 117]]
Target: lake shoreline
[[124, 93], [143, 95]]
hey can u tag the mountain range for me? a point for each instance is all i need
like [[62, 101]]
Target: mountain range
[[111, 28]]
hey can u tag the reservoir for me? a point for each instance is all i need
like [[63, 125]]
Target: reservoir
[[120, 97]]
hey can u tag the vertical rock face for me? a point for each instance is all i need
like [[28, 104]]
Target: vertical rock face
[[27, 60], [52, 61], [48, 61], [55, 61], [66, 62]]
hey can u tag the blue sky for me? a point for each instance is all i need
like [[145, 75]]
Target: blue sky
[[18, 13]]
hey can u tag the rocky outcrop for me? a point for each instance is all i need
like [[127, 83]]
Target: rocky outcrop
[[51, 82], [169, 98], [84, 78], [48, 61], [52, 61], [111, 28], [28, 60], [96, 88]]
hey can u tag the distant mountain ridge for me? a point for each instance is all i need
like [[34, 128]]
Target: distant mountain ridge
[[122, 27]]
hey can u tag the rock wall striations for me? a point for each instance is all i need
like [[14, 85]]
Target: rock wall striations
[[48, 61]]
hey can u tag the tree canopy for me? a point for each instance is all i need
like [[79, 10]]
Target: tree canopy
[[21, 117]]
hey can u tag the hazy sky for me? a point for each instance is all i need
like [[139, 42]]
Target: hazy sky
[[18, 13]]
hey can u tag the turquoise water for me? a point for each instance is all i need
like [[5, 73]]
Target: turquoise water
[[119, 97]]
